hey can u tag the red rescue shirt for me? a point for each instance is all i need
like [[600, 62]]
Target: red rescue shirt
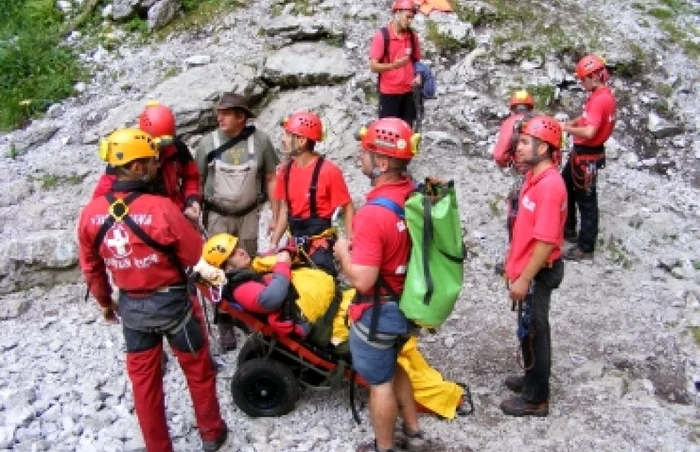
[[396, 81], [381, 238], [541, 218], [134, 265], [599, 111], [502, 150], [332, 191]]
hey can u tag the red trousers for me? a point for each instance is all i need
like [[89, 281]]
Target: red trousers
[[146, 375]]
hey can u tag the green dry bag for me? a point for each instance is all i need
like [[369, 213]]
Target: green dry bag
[[436, 263]]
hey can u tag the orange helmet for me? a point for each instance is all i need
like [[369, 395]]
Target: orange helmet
[[588, 65], [391, 137], [304, 124], [399, 5], [544, 128], [157, 120], [521, 97]]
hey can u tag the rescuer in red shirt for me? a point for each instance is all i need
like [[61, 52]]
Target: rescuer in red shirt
[[590, 130], [533, 265]]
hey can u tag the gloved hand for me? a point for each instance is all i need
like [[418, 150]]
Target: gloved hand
[[212, 275]]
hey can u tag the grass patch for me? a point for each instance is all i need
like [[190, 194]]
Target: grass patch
[[495, 207], [199, 13], [543, 95], [695, 331], [49, 182], [445, 42], [618, 253], [639, 6], [35, 69], [660, 13]]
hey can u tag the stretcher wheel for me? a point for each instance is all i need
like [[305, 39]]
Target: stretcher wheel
[[264, 388]]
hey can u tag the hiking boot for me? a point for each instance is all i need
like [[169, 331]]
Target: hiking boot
[[215, 444], [517, 406], [227, 337], [570, 235], [413, 442], [371, 446], [515, 382], [578, 255]]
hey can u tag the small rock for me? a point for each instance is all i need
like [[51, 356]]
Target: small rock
[[80, 87], [198, 60], [660, 127], [449, 342]]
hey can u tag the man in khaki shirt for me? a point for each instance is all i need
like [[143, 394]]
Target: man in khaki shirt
[[237, 164]]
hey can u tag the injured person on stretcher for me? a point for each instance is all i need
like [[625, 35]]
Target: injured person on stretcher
[[307, 302]]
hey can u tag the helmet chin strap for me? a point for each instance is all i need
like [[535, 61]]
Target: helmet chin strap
[[376, 172]]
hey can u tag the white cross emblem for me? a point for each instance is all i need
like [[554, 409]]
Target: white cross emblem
[[117, 240]]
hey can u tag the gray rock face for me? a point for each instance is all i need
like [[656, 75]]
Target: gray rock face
[[304, 64], [34, 259], [161, 13]]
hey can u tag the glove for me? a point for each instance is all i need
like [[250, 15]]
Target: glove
[[212, 275]]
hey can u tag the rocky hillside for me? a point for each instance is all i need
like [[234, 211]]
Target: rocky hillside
[[626, 328]]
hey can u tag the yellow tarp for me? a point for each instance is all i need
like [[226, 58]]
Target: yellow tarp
[[429, 388]]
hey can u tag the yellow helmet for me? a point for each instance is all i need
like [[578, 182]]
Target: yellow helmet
[[126, 145], [219, 248]]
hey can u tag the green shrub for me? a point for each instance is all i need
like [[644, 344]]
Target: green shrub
[[35, 69]]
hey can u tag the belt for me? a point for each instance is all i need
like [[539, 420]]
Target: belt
[[230, 213], [164, 289], [370, 299]]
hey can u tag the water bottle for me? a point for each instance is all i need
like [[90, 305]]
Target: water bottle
[[338, 221]]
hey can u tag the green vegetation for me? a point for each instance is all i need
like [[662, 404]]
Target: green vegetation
[[35, 69], [445, 42], [495, 206], [543, 95], [618, 253], [49, 182], [695, 331], [661, 13]]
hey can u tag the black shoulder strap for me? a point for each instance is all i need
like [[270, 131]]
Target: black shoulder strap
[[313, 188], [183, 154], [414, 46], [287, 171], [427, 240], [109, 221], [216, 153], [387, 40]]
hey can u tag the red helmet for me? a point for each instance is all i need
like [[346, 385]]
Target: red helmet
[[588, 65], [521, 97], [391, 137], [402, 5], [157, 120], [304, 124], [544, 128]]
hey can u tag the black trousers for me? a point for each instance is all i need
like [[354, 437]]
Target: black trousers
[[398, 106], [587, 202], [537, 348]]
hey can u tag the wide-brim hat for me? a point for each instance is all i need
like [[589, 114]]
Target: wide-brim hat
[[232, 100]]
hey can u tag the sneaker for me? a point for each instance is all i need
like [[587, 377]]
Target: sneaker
[[371, 446], [570, 235], [517, 406], [515, 383], [576, 254], [215, 444], [413, 442]]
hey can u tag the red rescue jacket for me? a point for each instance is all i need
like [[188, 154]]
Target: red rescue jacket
[[178, 176], [135, 266]]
